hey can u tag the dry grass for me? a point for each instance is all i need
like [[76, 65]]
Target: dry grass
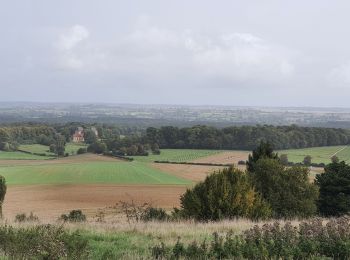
[[166, 231]]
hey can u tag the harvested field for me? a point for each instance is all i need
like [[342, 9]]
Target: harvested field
[[225, 157], [50, 201], [190, 172]]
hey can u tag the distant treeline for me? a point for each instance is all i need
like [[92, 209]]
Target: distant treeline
[[246, 137], [120, 138]]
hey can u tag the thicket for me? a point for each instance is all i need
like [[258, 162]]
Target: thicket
[[310, 240], [41, 242]]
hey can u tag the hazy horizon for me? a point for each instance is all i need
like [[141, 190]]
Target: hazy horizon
[[198, 53]]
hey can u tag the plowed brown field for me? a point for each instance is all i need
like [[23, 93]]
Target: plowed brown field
[[50, 201]]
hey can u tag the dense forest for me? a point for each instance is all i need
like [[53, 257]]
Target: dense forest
[[246, 137]]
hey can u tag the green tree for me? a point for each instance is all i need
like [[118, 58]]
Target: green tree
[[334, 159], [334, 185], [60, 143], [225, 194], [97, 147], [3, 189], [286, 189], [89, 136], [307, 160], [284, 159], [264, 150]]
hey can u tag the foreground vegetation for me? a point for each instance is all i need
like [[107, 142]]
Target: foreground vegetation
[[237, 239]]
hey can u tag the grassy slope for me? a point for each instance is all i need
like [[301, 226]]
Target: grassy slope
[[89, 172], [20, 156], [36, 148], [176, 155], [70, 148], [318, 154]]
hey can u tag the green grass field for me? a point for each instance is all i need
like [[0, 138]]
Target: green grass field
[[176, 155], [36, 148], [21, 156], [318, 154], [70, 148], [88, 172]]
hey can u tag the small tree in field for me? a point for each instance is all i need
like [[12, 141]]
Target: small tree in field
[[335, 159], [3, 189], [284, 159], [307, 160]]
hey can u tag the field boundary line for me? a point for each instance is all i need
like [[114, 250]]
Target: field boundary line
[[339, 151]]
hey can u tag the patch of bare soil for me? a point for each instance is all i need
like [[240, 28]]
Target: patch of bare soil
[[191, 172], [226, 157], [50, 201]]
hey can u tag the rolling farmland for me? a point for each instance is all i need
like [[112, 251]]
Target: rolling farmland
[[176, 155], [117, 172], [318, 154]]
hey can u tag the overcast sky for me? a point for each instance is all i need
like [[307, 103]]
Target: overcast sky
[[274, 53]]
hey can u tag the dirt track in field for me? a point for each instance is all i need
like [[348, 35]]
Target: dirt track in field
[[50, 201]]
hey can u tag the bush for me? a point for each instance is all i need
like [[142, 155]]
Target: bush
[[97, 147], [74, 216], [22, 217], [41, 242], [310, 240], [82, 150], [152, 214], [225, 194]]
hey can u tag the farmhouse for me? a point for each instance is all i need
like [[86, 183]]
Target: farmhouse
[[78, 135]]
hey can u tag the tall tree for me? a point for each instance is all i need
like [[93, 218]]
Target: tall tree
[[3, 189], [264, 150], [334, 184], [287, 189]]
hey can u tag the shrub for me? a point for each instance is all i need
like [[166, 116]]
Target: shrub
[[97, 147], [22, 217], [82, 150], [310, 240], [307, 160], [225, 194], [74, 216], [152, 214], [41, 242]]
